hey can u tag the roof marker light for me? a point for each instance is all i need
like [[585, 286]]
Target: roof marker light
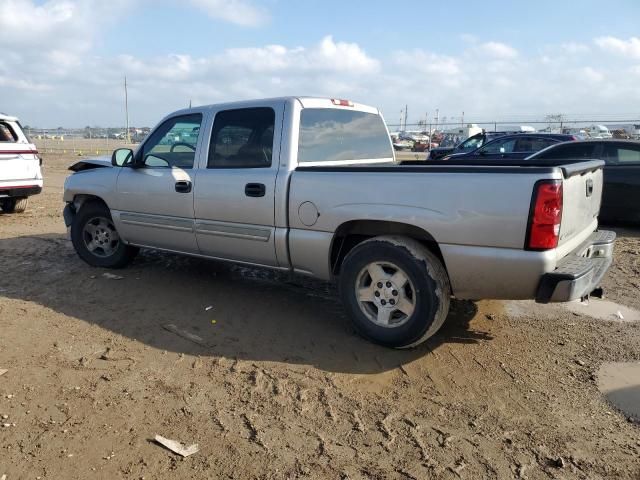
[[342, 103]]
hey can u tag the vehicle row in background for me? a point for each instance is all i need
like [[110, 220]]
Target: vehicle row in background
[[20, 175], [476, 138], [465, 139], [415, 141], [517, 145]]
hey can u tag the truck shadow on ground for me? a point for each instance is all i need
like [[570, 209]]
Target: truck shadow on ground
[[206, 308]]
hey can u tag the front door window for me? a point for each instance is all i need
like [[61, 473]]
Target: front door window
[[174, 143]]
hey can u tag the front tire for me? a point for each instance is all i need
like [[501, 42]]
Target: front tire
[[96, 240], [395, 291], [15, 204]]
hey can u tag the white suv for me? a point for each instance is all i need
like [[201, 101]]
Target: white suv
[[20, 173]]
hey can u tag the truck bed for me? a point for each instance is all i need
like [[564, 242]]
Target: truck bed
[[478, 214]]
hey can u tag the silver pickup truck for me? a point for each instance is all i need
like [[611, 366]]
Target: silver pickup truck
[[311, 186]]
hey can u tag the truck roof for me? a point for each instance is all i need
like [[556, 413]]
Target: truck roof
[[305, 101]]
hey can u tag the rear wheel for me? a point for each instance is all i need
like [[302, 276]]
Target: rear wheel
[[15, 204], [395, 290], [96, 240]]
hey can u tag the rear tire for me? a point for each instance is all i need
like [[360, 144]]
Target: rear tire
[[96, 240], [396, 292], [15, 204]]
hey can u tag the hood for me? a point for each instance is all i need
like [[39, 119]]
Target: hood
[[90, 163]]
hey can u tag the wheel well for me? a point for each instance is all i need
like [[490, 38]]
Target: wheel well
[[352, 233], [80, 200]]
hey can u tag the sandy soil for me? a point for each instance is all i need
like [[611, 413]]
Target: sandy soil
[[272, 382]]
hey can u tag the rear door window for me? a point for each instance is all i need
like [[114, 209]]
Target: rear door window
[[499, 146], [333, 135], [242, 138], [533, 144]]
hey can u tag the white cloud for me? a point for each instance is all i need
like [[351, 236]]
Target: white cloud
[[592, 75], [240, 12], [327, 55], [628, 48], [428, 62], [51, 73], [498, 50], [56, 24], [574, 48]]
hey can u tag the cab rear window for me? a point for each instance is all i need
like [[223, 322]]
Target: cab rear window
[[7, 134], [333, 135]]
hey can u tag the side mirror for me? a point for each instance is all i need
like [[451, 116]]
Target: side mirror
[[121, 157]]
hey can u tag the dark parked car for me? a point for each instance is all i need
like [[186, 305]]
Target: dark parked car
[[520, 145], [469, 145], [621, 189]]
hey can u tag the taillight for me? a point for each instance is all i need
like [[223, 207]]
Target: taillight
[[545, 216]]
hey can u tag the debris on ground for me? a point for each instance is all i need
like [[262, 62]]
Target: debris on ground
[[111, 276], [192, 337], [210, 307], [177, 447], [559, 462], [3, 371]]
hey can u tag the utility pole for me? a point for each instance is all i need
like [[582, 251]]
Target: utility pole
[[437, 117], [462, 120], [406, 113], [126, 108]]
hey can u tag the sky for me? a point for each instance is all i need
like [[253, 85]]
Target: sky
[[63, 62]]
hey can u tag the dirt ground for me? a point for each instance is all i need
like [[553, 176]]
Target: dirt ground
[[272, 382]]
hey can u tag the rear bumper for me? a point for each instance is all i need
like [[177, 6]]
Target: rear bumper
[[25, 191], [580, 272]]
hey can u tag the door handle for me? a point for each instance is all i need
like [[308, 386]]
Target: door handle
[[183, 186], [255, 190]]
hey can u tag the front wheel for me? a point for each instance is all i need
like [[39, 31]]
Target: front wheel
[[96, 240], [395, 290], [15, 204]]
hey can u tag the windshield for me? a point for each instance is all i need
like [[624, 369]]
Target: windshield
[[469, 144]]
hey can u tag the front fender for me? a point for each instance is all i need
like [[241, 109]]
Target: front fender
[[99, 182]]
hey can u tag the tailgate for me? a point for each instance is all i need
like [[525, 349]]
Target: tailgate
[[18, 162], [582, 193]]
